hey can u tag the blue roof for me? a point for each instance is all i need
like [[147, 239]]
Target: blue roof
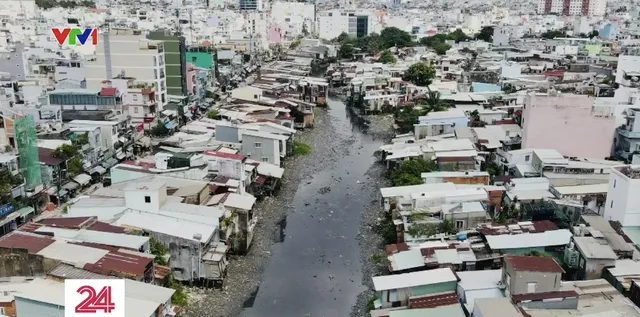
[[169, 124], [484, 87]]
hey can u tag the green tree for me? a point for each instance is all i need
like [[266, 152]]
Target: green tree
[[594, 33], [486, 34], [74, 166], [410, 172], [553, 34], [458, 36], [159, 250], [160, 129], [386, 57], [432, 101], [305, 31], [447, 227], [65, 151], [294, 44], [393, 36], [7, 182], [422, 229], [346, 50], [341, 38], [441, 48], [213, 114], [420, 74]]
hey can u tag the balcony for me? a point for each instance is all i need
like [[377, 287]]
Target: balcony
[[629, 134]]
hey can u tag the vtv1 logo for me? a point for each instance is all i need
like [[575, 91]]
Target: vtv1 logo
[[94, 298], [75, 36]]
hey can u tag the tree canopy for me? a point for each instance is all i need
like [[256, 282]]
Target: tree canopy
[[386, 57], [395, 37], [486, 34], [65, 151], [410, 172], [48, 4], [420, 74]]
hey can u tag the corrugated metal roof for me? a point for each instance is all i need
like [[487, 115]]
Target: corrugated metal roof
[[67, 271]]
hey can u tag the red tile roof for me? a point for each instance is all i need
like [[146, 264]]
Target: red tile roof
[[434, 301], [541, 296], [105, 227], [69, 223], [108, 92], [533, 263], [225, 155], [23, 240]]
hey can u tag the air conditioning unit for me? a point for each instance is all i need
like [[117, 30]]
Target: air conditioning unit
[[501, 286]]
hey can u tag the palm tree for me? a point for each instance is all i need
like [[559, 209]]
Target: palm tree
[[433, 102]]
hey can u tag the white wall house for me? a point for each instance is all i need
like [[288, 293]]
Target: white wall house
[[623, 201], [332, 23]]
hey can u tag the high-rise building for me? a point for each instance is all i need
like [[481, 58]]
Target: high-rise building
[[356, 23], [573, 7], [174, 56], [126, 51], [250, 5]]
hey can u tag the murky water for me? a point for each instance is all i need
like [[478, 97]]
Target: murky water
[[315, 271]]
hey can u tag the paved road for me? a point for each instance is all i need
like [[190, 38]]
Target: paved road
[[315, 270]]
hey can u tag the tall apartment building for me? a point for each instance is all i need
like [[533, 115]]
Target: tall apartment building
[[175, 61], [356, 23], [250, 5], [573, 7], [128, 52]]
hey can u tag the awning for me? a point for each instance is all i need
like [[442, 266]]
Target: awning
[[70, 186], [53, 191], [25, 211], [144, 141], [109, 163], [98, 169], [169, 124], [9, 218], [120, 155], [82, 179], [63, 192]]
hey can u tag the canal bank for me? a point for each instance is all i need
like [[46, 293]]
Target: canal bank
[[306, 259]]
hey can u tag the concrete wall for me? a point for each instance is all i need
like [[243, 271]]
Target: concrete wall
[[623, 202], [566, 123], [18, 262], [546, 281], [13, 63], [227, 134], [30, 308], [269, 149]]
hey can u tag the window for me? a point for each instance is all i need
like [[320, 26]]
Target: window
[[614, 183], [459, 224], [527, 157], [135, 109], [155, 61], [531, 287], [155, 73], [265, 159], [257, 145], [147, 199]]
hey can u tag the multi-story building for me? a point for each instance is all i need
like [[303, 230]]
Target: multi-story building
[[356, 23], [174, 61], [127, 52], [573, 7], [562, 121], [250, 5], [623, 201]]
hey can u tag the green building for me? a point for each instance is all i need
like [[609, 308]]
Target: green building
[[174, 60]]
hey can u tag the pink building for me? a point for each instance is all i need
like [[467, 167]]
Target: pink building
[[566, 123], [274, 34], [191, 78]]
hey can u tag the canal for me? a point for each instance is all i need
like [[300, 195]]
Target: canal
[[315, 269]]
